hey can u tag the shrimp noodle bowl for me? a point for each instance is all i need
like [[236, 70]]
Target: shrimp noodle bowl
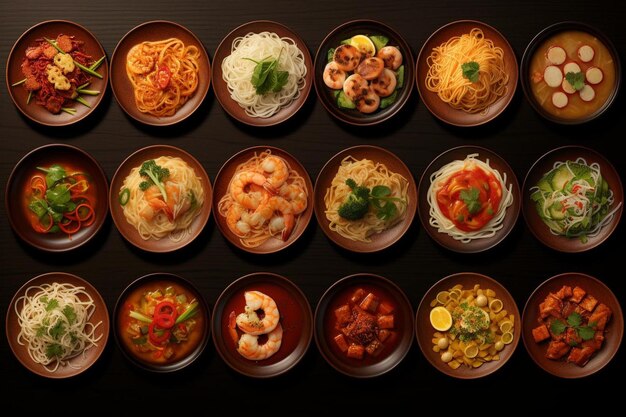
[[445, 75], [164, 75], [147, 211], [367, 173], [253, 230], [443, 223], [54, 323], [237, 69]]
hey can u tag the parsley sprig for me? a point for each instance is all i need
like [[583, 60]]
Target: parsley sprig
[[574, 321]]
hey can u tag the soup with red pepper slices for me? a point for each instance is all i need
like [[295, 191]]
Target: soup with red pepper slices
[[362, 324], [290, 319], [161, 322]]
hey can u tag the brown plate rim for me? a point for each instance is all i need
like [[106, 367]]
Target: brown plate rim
[[453, 116], [183, 362], [476, 245], [289, 362], [221, 182], [394, 359], [399, 229], [526, 326], [221, 90], [532, 47], [67, 119], [128, 232], [423, 310], [128, 105], [76, 241], [562, 243], [359, 119], [11, 323]]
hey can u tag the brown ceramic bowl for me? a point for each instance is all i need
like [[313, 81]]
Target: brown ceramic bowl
[[222, 182], [129, 231], [395, 348], [444, 111], [544, 165], [51, 29], [512, 212], [133, 294], [295, 317], [379, 241], [540, 43], [19, 180], [221, 89], [327, 96], [614, 328], [122, 88], [77, 364], [424, 330]]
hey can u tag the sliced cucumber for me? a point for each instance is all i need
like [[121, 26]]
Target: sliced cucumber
[[379, 41], [400, 77], [344, 102], [556, 211], [561, 176], [544, 185], [389, 100]]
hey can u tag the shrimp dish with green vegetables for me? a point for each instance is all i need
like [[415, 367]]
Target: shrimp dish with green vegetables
[[574, 200]]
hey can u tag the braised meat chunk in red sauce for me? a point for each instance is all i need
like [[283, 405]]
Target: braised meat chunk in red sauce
[[365, 323], [573, 322]]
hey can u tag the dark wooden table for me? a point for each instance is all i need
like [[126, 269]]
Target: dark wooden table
[[314, 263]]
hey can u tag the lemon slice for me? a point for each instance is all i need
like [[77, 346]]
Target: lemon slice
[[363, 44], [506, 326], [440, 318], [495, 305], [507, 338], [443, 297], [471, 351]]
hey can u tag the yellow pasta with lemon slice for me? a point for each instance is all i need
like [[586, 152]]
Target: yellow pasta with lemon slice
[[472, 326]]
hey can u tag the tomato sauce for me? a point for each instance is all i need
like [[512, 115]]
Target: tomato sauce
[[290, 319], [470, 198]]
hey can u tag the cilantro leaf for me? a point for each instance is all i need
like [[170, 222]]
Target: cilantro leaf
[[57, 330], [54, 350], [69, 313], [574, 319], [470, 71], [586, 332], [576, 80], [557, 327], [52, 304], [470, 198]]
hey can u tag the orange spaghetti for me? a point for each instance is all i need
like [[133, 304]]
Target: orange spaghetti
[[164, 75], [265, 198], [446, 75]]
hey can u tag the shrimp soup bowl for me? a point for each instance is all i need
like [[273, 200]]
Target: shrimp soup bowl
[[370, 35]]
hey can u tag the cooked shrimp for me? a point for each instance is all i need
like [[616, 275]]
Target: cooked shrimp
[[368, 102], [370, 68], [385, 84], [175, 206], [139, 61], [265, 212], [249, 199], [333, 76], [250, 322], [295, 195], [347, 57], [392, 57], [249, 347], [277, 170], [355, 86], [235, 222]]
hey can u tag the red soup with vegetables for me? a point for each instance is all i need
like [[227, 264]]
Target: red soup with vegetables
[[60, 199], [161, 322], [572, 74], [362, 324]]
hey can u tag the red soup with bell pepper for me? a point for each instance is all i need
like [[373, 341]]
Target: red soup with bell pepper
[[161, 322]]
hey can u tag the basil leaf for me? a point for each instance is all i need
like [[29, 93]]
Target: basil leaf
[[279, 79], [58, 195], [470, 70], [380, 191]]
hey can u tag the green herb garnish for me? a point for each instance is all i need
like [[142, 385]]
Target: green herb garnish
[[557, 327], [266, 76], [153, 175], [362, 198], [574, 321], [470, 71], [54, 350], [576, 80], [470, 198]]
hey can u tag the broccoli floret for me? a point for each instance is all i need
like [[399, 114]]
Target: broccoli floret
[[155, 175], [357, 203]]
